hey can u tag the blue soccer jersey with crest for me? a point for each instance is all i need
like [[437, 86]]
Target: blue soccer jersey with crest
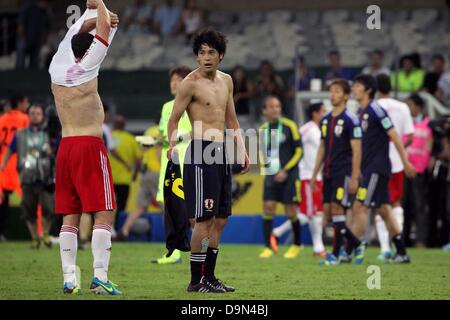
[[375, 124], [337, 133]]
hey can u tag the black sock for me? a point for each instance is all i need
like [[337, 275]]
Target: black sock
[[339, 232], [352, 241], [267, 229], [296, 228], [210, 263], [197, 265], [399, 244]]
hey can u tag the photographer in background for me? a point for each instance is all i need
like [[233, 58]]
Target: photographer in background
[[34, 163]]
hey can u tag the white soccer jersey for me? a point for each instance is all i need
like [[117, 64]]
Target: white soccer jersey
[[310, 134], [403, 123], [65, 70]]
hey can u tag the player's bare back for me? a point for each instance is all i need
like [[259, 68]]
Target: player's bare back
[[209, 103], [80, 109]]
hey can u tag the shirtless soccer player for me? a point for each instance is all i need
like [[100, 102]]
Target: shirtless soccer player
[[207, 96], [83, 175]]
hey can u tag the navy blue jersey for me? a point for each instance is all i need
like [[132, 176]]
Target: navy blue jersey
[[337, 133], [375, 124]]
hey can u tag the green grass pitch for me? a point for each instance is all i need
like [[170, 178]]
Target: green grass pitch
[[27, 274]]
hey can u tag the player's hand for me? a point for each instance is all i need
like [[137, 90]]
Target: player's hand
[[353, 185], [281, 176], [409, 170], [114, 20], [172, 154], [313, 184], [246, 165], [91, 4]]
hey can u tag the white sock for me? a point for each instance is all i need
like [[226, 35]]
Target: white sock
[[68, 246], [383, 234], [398, 214], [316, 228], [282, 229], [101, 250]]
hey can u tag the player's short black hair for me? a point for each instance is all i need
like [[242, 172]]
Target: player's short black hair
[[345, 86], [313, 107], [81, 43], [212, 38], [16, 99], [417, 100], [266, 99], [377, 52], [182, 71], [369, 83], [384, 83]]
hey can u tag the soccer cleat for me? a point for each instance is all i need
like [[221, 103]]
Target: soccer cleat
[[266, 253], [344, 257], [322, 254], [401, 259], [384, 256], [446, 247], [47, 242], [69, 288], [204, 286], [330, 260], [293, 252], [274, 243], [35, 244], [359, 253], [100, 287], [220, 285], [174, 258]]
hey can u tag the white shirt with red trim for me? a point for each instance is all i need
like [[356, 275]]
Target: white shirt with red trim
[[65, 70], [401, 118], [310, 134]]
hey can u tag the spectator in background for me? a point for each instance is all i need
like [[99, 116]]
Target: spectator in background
[[33, 27], [137, 17], [243, 91], [148, 186], [268, 82], [443, 92], [303, 82], [192, 18], [5, 106], [419, 154], [336, 71], [410, 77], [35, 157], [432, 77], [166, 19], [376, 64], [125, 168], [10, 122]]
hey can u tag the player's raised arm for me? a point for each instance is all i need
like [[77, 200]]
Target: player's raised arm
[[182, 100], [103, 20], [232, 123]]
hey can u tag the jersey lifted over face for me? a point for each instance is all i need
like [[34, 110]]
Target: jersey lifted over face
[[337, 133], [375, 124], [65, 70]]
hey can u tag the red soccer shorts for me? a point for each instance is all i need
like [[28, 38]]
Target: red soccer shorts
[[311, 201], [84, 181], [396, 186]]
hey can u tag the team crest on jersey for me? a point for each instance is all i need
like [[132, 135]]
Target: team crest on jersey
[[209, 204], [338, 130], [340, 122], [364, 125], [366, 116]]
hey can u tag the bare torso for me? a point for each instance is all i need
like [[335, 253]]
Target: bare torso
[[208, 105], [80, 109]]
